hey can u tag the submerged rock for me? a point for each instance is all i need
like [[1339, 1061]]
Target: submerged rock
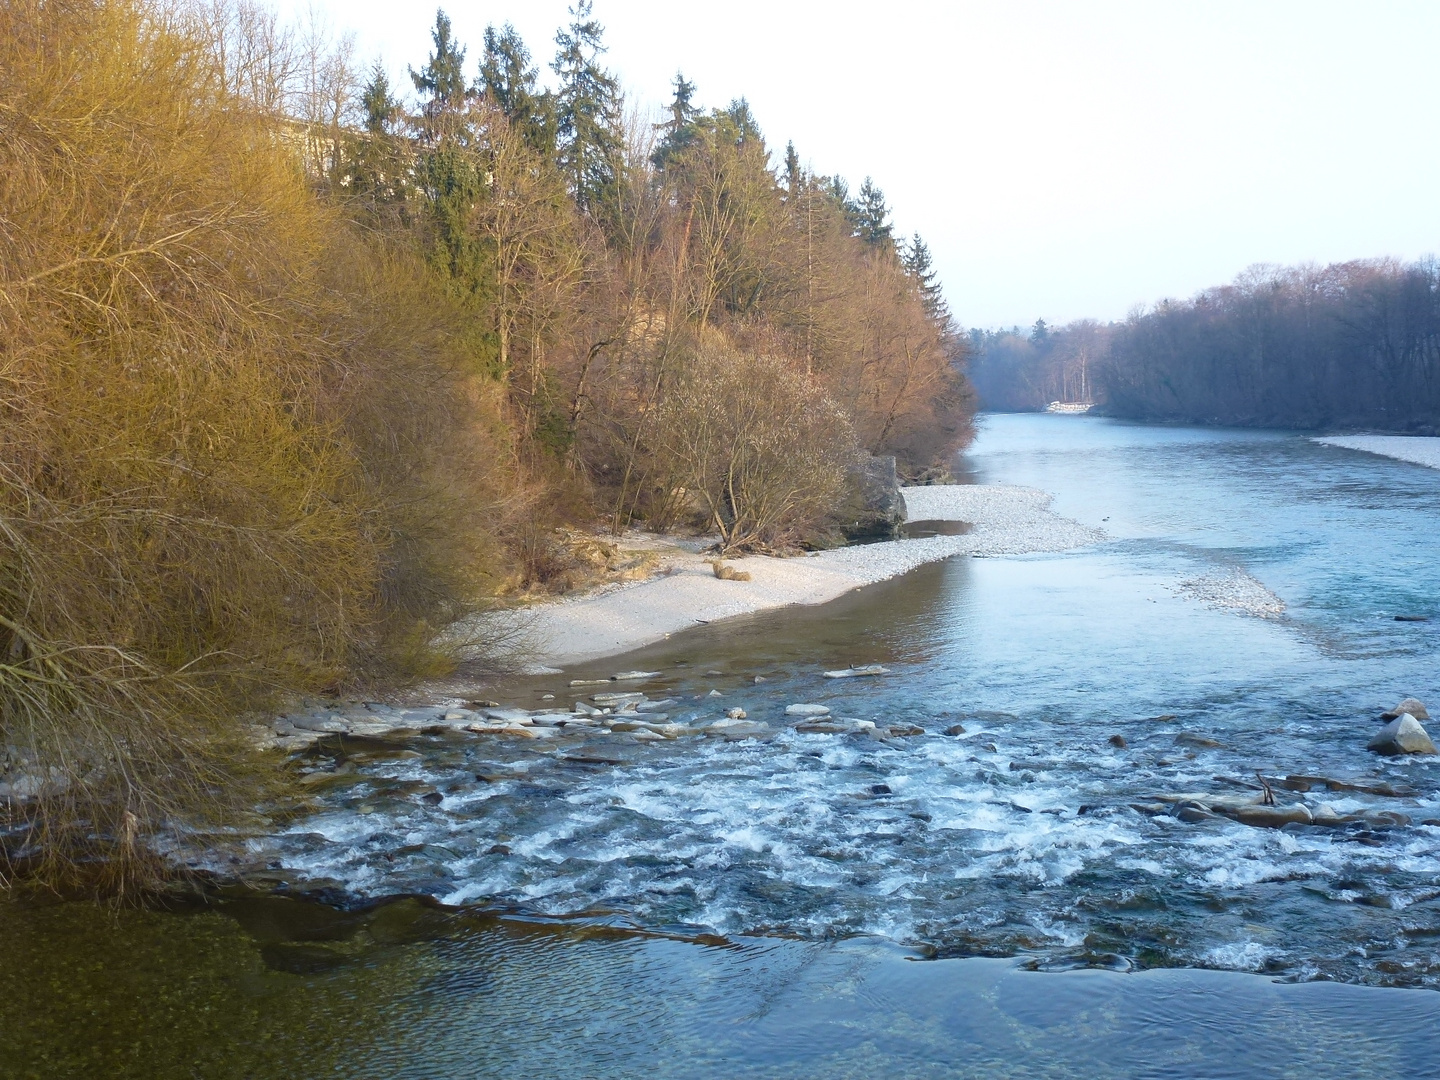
[[1413, 706], [1403, 735], [827, 725], [1200, 742]]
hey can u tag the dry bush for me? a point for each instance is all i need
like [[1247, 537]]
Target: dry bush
[[758, 445], [228, 453]]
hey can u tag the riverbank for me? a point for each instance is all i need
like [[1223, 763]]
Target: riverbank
[[1416, 449], [1004, 520]]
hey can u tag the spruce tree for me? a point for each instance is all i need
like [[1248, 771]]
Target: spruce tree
[[746, 127], [792, 168], [871, 215], [508, 82], [915, 257], [381, 108], [377, 158], [587, 113], [679, 130], [442, 80]]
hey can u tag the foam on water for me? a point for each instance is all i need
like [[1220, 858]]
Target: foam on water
[[1029, 833]]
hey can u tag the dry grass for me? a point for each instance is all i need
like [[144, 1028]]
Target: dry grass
[[240, 449]]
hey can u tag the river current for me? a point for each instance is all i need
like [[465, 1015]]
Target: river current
[[1013, 898], [1239, 619]]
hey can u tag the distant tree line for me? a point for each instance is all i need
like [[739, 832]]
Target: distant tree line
[[1350, 345]]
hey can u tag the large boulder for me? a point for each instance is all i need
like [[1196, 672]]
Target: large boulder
[[875, 507], [1410, 705], [1403, 735]]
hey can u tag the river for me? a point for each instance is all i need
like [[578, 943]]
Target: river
[[714, 907]]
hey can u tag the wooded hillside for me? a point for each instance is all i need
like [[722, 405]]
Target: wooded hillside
[[294, 375]]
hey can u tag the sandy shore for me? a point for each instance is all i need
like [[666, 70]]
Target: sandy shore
[[1006, 521], [1418, 449]]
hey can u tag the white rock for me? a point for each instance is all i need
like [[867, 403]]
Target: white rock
[[802, 709], [617, 698], [857, 672], [1413, 706], [322, 724], [510, 716], [1403, 735], [631, 676]]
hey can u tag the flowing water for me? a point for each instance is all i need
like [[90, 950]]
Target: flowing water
[[1239, 619]]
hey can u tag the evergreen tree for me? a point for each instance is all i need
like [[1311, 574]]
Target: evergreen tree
[[915, 257], [1039, 333], [871, 215], [381, 109], [376, 156], [587, 113], [746, 127], [508, 82], [792, 168], [679, 130], [442, 80]]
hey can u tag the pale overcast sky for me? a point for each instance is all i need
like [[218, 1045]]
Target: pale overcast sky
[[1062, 159]]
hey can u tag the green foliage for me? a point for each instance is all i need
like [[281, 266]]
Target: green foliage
[[872, 217], [588, 113], [915, 257], [508, 82], [442, 79]]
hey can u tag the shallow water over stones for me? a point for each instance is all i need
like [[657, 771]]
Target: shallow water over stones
[[1029, 832]]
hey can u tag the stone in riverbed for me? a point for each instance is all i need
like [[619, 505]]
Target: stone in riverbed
[[1403, 735], [735, 714], [802, 709], [902, 730], [335, 724], [1200, 742], [1273, 817], [875, 507], [955, 729], [617, 698], [505, 716], [857, 672], [1118, 741], [1410, 705], [827, 725]]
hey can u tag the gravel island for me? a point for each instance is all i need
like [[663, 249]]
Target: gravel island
[[1416, 449], [1005, 520]]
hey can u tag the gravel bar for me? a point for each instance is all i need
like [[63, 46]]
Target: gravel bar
[[1417, 449], [1005, 520]]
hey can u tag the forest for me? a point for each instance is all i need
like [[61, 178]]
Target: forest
[[1350, 345], [299, 369]]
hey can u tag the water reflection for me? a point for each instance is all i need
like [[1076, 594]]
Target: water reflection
[[418, 992]]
